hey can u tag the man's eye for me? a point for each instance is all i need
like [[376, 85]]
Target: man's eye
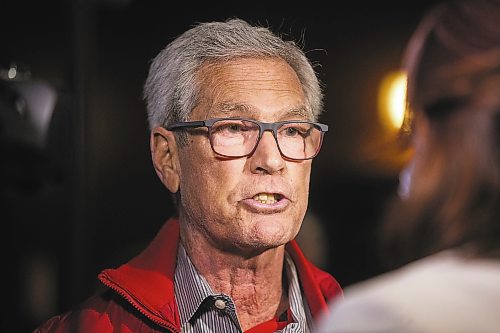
[[235, 128], [290, 131], [231, 128]]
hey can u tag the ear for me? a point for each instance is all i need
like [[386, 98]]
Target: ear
[[165, 158]]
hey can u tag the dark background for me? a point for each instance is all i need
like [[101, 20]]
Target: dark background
[[88, 198]]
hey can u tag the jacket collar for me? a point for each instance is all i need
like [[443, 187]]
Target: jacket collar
[[147, 281]]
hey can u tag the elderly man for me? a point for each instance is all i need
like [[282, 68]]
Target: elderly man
[[232, 110]]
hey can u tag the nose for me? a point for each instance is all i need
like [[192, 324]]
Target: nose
[[267, 158]]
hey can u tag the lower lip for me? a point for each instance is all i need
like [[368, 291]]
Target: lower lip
[[262, 208]]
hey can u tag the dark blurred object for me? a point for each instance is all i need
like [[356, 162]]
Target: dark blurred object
[[34, 192], [440, 238], [26, 109]]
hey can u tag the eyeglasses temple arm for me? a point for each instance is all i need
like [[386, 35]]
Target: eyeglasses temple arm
[[185, 124]]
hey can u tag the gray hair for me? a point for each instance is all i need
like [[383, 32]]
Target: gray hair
[[171, 90]]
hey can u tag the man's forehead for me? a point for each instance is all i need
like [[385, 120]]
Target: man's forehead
[[265, 74], [253, 88]]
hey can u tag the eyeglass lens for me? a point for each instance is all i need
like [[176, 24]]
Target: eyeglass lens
[[237, 138]]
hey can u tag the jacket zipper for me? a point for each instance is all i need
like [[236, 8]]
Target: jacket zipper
[[138, 307]]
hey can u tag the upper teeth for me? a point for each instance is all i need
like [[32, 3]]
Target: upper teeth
[[266, 198]]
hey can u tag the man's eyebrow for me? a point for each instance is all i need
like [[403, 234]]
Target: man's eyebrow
[[300, 112], [230, 109]]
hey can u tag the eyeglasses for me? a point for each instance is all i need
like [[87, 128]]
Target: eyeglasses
[[238, 137]]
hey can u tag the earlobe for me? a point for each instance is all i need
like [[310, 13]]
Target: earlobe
[[165, 158]]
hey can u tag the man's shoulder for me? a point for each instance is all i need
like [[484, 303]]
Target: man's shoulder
[[328, 283], [312, 275], [87, 316], [95, 314], [106, 311]]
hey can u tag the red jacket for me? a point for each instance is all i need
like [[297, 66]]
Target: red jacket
[[140, 293]]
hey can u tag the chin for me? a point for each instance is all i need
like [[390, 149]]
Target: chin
[[256, 246], [273, 234]]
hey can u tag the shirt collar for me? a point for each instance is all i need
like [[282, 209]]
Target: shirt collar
[[194, 289]]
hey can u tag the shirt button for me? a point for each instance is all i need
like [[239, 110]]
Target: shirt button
[[220, 304]]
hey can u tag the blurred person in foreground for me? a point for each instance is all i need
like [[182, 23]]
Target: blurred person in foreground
[[441, 237], [232, 110]]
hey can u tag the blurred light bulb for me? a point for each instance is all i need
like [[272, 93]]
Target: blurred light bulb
[[392, 99], [12, 73]]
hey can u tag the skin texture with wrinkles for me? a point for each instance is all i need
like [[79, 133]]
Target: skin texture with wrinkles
[[244, 239]]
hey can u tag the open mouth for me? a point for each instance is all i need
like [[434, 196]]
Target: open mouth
[[267, 198]]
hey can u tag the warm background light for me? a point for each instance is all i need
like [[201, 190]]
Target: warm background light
[[392, 99]]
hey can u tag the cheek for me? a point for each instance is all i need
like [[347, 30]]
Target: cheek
[[196, 179], [301, 176], [209, 180], [302, 186]]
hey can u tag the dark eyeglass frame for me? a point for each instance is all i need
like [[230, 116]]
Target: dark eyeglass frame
[[263, 126]]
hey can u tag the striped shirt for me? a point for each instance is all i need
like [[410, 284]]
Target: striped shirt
[[203, 311]]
